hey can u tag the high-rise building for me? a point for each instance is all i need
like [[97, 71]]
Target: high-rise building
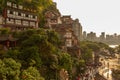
[[77, 29], [91, 36], [102, 36], [84, 35]]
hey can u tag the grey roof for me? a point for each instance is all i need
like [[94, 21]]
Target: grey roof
[[5, 38]]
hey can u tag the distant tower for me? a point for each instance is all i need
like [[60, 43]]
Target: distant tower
[[84, 35], [77, 27], [102, 36], [91, 36]]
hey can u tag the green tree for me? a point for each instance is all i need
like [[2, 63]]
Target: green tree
[[65, 61], [53, 38], [9, 69], [37, 50], [31, 74], [81, 67], [103, 45], [94, 46], [86, 53], [12, 53], [4, 31]]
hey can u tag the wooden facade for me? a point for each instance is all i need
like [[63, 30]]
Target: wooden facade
[[68, 29], [52, 19], [18, 18], [8, 41], [70, 42]]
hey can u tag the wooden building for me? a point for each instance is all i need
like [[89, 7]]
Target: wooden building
[[8, 41], [67, 28], [70, 42], [16, 17], [52, 19]]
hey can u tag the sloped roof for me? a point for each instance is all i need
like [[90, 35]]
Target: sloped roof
[[5, 38]]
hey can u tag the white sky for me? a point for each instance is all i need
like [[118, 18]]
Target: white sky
[[94, 15]]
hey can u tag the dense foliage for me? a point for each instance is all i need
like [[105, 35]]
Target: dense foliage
[[91, 51], [36, 48]]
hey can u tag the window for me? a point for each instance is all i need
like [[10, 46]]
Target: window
[[18, 22], [26, 23], [14, 12], [1, 20], [22, 14], [9, 4], [32, 23], [8, 20], [34, 17], [14, 5], [68, 43], [31, 16], [68, 35], [26, 15], [20, 7], [10, 12], [19, 14]]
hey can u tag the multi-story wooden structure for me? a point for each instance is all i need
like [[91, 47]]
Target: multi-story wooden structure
[[67, 28], [16, 17], [8, 41], [52, 19], [69, 39]]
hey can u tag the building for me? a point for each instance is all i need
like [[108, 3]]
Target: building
[[8, 41], [74, 24], [70, 41], [67, 28], [52, 19], [84, 35], [102, 36], [91, 36], [16, 17], [77, 27], [66, 19]]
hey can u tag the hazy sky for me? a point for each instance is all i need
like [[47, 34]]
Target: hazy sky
[[94, 15]]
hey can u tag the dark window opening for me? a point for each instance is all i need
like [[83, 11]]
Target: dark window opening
[[33, 16], [19, 14], [26, 15], [11, 12]]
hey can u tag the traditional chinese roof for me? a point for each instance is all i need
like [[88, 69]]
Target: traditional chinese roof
[[52, 14], [75, 47], [7, 38]]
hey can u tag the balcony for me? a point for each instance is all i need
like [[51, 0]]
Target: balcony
[[9, 4]]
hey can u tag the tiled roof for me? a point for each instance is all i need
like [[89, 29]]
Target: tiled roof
[[5, 38]]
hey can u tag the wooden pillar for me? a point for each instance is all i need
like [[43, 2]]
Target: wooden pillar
[[14, 43], [8, 43]]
